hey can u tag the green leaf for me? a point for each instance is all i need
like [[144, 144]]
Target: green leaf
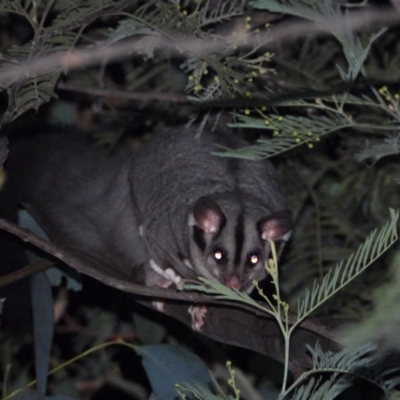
[[373, 247], [55, 275], [168, 365], [316, 10], [221, 292], [294, 131]]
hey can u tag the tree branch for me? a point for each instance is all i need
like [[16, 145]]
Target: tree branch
[[226, 322], [65, 256]]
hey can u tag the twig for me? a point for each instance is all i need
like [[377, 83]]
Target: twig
[[92, 56], [29, 270], [120, 94]]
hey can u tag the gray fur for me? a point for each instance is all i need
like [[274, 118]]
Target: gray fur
[[172, 172], [117, 211], [80, 195]]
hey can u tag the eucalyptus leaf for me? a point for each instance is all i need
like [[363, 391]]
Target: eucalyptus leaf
[[168, 365]]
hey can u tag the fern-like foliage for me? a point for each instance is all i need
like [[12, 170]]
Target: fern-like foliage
[[289, 132], [375, 245], [223, 11], [355, 52], [212, 72], [318, 388], [32, 91], [328, 15], [387, 147], [221, 292], [23, 8], [315, 10], [296, 130], [381, 323], [346, 367], [225, 68], [76, 12]]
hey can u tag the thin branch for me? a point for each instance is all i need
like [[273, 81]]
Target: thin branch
[[67, 258], [80, 58], [320, 327], [45, 13], [120, 94], [84, 268], [29, 270]]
